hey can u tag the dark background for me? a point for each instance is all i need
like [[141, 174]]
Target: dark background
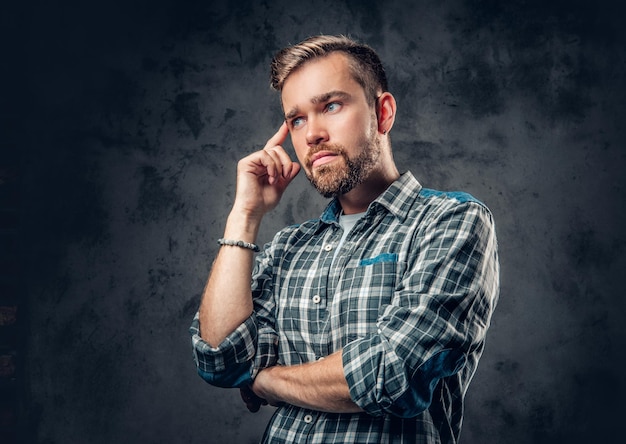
[[123, 124]]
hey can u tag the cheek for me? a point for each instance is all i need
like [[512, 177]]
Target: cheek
[[352, 131], [358, 121]]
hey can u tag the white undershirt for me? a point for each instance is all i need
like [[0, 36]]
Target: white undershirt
[[347, 222]]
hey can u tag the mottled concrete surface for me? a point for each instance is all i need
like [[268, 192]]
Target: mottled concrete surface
[[130, 120]]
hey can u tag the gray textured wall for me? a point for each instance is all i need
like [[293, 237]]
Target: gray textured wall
[[130, 120]]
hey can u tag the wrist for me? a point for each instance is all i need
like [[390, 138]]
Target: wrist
[[242, 226], [265, 386], [239, 243]]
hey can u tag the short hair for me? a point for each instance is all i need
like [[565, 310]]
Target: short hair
[[365, 65]]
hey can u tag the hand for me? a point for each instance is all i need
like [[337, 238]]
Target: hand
[[263, 176], [263, 384], [253, 402]]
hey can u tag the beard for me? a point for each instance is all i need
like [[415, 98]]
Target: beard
[[344, 174]]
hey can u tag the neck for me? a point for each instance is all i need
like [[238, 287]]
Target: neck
[[358, 199]]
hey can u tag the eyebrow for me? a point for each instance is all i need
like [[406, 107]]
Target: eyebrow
[[321, 98]]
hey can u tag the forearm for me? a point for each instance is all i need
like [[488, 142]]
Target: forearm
[[227, 299], [319, 385]]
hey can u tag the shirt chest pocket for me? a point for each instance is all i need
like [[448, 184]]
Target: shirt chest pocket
[[360, 296]]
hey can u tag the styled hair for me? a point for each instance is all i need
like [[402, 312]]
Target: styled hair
[[364, 63]]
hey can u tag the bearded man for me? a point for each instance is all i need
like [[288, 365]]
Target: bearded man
[[364, 325]]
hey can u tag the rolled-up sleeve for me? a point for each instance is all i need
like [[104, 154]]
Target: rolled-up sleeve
[[437, 320], [228, 364]]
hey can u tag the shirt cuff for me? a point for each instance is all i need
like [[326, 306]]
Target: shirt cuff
[[362, 369], [229, 364], [380, 382]]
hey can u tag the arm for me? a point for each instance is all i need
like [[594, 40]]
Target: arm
[[232, 334], [434, 329], [262, 178], [319, 385]]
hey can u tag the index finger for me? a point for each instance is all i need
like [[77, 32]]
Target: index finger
[[279, 137]]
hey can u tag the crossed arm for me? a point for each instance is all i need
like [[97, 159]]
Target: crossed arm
[[319, 385], [426, 334]]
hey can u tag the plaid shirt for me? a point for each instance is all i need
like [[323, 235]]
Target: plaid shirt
[[408, 298]]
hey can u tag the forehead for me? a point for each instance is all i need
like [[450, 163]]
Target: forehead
[[318, 77]]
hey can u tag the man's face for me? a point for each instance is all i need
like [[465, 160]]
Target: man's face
[[333, 129]]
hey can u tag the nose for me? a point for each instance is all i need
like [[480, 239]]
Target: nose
[[316, 132]]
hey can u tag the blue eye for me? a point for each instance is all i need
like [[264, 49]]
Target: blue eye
[[298, 121], [333, 106]]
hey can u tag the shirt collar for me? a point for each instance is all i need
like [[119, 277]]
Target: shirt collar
[[397, 199]]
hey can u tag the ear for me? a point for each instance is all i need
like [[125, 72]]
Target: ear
[[385, 112]]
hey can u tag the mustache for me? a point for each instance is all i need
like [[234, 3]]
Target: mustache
[[330, 147]]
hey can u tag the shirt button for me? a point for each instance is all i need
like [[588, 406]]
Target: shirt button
[[328, 247], [308, 419], [316, 299]]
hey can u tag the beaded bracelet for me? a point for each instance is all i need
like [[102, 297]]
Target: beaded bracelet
[[236, 243]]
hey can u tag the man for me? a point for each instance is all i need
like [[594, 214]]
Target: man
[[366, 324]]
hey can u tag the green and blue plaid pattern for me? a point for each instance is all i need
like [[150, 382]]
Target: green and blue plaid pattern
[[408, 298]]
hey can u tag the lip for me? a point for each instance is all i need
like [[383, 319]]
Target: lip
[[322, 157]]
